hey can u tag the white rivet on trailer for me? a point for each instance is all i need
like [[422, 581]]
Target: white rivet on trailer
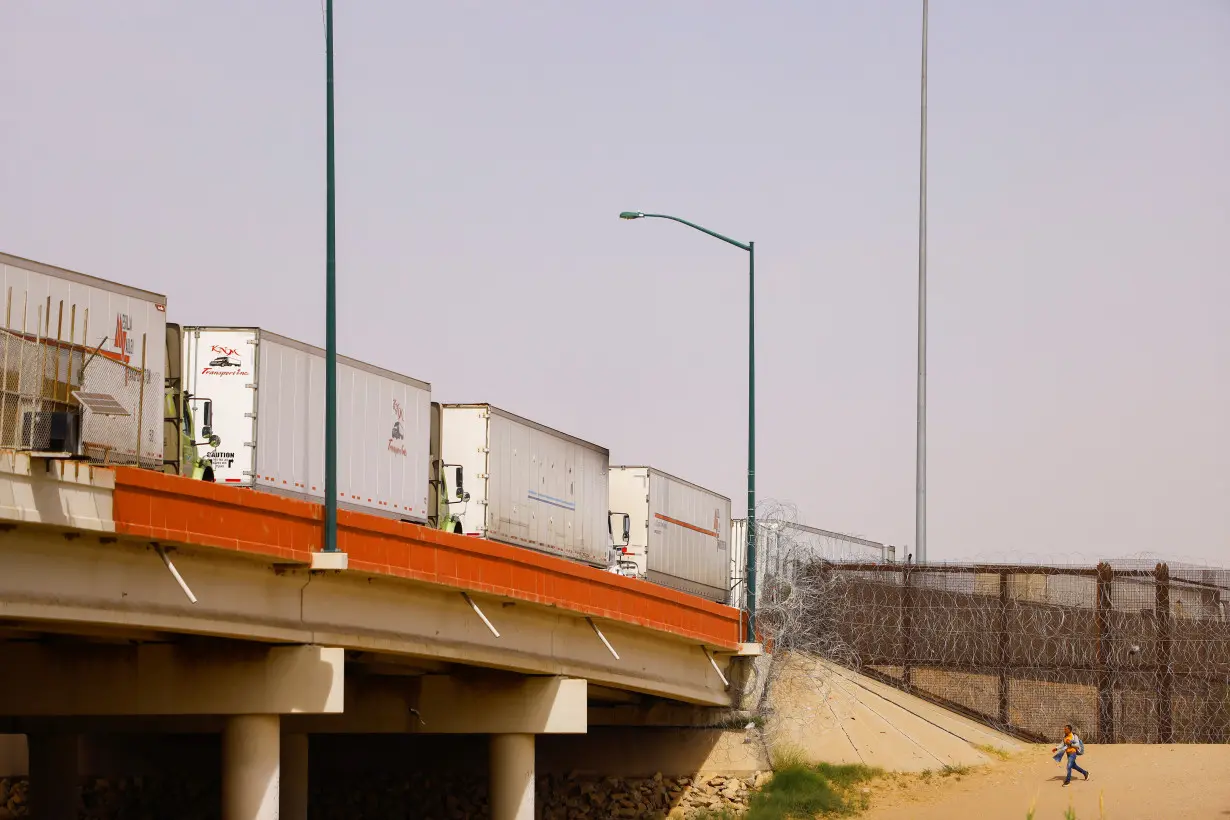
[[480, 614], [709, 655], [602, 638], [182, 583]]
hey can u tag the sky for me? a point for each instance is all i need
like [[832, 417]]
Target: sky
[[1078, 231]]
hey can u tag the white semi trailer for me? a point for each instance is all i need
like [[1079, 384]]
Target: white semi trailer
[[522, 483], [678, 531], [782, 547], [256, 403]]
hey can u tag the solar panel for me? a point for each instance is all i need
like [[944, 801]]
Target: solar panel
[[104, 404]]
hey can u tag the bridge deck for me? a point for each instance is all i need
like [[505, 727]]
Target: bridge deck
[[176, 510]]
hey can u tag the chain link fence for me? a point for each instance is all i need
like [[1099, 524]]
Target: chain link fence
[[62, 397], [1125, 651], [784, 545]]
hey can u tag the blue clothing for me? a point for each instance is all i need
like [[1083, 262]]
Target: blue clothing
[[1072, 765]]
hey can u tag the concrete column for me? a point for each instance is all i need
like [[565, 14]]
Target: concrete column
[[53, 776], [250, 767], [512, 777], [14, 756], [294, 788]]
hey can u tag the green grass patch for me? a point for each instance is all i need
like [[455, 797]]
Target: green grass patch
[[799, 791], [959, 771], [993, 751], [847, 776], [787, 756]]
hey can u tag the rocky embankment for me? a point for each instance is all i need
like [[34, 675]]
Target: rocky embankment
[[441, 797]]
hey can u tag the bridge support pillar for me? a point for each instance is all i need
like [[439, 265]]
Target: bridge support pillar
[[251, 767], [512, 777], [53, 775], [294, 787]]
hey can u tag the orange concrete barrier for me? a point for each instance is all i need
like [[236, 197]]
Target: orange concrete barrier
[[172, 509]]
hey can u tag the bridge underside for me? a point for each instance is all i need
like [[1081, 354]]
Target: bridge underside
[[113, 632], [121, 590], [109, 634]]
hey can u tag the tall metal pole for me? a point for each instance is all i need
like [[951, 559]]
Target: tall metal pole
[[920, 501], [751, 442], [750, 247], [330, 303]]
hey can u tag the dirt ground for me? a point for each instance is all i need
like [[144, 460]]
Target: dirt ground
[[1134, 783]]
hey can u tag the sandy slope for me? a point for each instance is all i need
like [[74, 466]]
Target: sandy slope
[[1136, 782], [831, 714]]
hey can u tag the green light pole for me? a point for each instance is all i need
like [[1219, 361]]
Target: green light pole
[[330, 302], [750, 247]]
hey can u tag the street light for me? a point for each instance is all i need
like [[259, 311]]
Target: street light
[[330, 539], [750, 247]]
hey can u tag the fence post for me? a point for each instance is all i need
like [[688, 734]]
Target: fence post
[[1165, 676], [1002, 628], [907, 627], [1106, 695]]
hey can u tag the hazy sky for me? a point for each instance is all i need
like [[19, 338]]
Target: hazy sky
[[1079, 230]]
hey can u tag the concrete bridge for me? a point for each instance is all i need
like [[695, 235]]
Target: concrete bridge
[[132, 601]]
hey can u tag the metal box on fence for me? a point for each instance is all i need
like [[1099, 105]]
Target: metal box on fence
[[679, 531], [268, 396], [54, 432], [65, 334], [529, 485]]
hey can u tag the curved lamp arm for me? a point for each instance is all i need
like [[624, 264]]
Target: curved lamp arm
[[714, 234]]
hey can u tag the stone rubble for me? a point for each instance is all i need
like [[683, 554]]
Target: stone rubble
[[12, 798], [431, 796]]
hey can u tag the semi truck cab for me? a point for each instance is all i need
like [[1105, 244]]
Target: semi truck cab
[[622, 561], [181, 450]]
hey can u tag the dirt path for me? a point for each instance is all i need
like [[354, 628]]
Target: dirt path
[[1136, 783]]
